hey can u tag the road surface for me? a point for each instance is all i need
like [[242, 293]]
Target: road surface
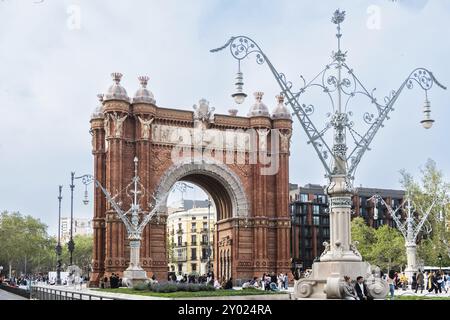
[[5, 295]]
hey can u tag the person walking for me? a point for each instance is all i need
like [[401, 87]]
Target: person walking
[[348, 291], [437, 282], [431, 282], [420, 281], [414, 281], [390, 282]]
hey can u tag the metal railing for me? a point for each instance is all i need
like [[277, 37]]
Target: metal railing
[[48, 293]]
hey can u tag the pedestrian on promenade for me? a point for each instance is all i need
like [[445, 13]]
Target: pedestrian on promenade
[[348, 291], [414, 281], [390, 282], [437, 282], [420, 281]]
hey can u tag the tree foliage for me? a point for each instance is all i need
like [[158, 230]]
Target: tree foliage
[[26, 246], [383, 247]]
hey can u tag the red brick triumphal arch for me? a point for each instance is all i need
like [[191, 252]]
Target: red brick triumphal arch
[[241, 162]]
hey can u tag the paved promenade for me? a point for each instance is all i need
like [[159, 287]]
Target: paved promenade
[[5, 295]]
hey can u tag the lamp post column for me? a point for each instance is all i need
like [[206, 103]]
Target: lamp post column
[[58, 246], [71, 244], [209, 237]]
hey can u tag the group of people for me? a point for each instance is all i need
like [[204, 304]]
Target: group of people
[[436, 281], [357, 291], [113, 282]]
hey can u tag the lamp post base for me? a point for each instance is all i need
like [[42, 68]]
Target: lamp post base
[[327, 277], [134, 276]]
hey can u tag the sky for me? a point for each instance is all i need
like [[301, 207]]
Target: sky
[[58, 55]]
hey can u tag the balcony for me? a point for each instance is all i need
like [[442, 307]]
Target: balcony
[[204, 230], [181, 244], [179, 231], [193, 230]]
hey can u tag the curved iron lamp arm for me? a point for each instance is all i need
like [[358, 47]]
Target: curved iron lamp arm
[[242, 46]]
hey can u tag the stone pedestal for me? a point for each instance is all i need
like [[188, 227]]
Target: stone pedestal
[[340, 257], [411, 265], [133, 276], [326, 280]]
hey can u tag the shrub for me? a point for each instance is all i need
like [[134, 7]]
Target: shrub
[[140, 287], [174, 287]]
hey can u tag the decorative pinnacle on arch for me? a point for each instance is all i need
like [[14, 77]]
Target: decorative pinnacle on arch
[[258, 95], [144, 81], [280, 98], [100, 97], [117, 76]]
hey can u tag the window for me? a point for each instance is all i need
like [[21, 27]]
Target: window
[[307, 232], [193, 253], [326, 232], [308, 242], [204, 239], [180, 268], [303, 197], [194, 267], [321, 198], [194, 218], [204, 218], [204, 253], [179, 226], [193, 240], [205, 226], [193, 227], [325, 220], [180, 240], [316, 220], [316, 209]]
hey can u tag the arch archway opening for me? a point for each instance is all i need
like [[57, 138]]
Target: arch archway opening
[[194, 210]]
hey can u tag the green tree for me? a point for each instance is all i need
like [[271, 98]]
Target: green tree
[[22, 239], [82, 255], [388, 251], [364, 235]]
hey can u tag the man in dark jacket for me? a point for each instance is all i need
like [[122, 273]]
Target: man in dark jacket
[[361, 289]]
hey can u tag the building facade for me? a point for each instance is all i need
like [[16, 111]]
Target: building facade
[[81, 226], [191, 241], [210, 150], [310, 220]]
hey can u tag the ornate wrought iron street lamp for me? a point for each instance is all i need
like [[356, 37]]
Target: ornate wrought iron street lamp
[[85, 181], [58, 247], [340, 84], [208, 201], [410, 229], [135, 219]]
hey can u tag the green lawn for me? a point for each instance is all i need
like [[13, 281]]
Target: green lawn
[[420, 298], [186, 294]]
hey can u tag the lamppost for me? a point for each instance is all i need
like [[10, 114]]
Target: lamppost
[[58, 246], [410, 229], [85, 180], [340, 256], [440, 261], [208, 235], [135, 224]]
